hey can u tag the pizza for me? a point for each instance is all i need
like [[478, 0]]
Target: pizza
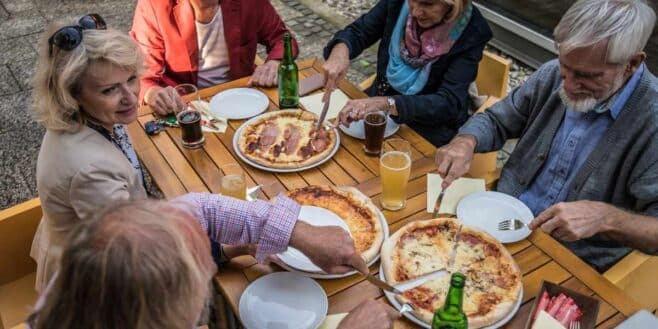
[[285, 139], [493, 280], [353, 207], [423, 247]]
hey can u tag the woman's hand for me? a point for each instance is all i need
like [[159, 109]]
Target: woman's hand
[[163, 100], [335, 68], [357, 109]]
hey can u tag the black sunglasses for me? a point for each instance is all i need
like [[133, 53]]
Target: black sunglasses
[[69, 37]]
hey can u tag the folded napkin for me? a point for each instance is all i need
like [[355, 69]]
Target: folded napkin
[[545, 321], [455, 192], [332, 321], [314, 103], [209, 122]]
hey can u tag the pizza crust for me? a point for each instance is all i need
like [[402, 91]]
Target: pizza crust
[[303, 120], [372, 252]]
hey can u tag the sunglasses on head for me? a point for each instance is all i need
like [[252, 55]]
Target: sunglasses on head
[[69, 37]]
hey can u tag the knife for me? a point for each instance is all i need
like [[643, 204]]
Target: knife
[[382, 285], [323, 114], [437, 203]]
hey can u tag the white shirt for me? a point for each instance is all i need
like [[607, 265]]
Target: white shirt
[[213, 52]]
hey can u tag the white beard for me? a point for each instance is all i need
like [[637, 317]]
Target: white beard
[[589, 103], [581, 105]]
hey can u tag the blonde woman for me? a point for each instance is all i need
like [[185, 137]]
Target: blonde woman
[[146, 264], [85, 91]]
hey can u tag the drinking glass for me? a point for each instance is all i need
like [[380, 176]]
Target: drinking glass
[[374, 125], [233, 181], [189, 119], [394, 170]]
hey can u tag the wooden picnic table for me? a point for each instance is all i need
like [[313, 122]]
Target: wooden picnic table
[[177, 170]]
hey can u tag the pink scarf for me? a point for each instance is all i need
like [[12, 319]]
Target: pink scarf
[[418, 49]]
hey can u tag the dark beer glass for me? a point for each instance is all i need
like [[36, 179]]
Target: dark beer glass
[[374, 125], [190, 125], [189, 119]]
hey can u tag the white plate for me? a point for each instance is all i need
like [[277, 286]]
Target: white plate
[[486, 209], [408, 315], [239, 103], [357, 130], [294, 262], [236, 136], [315, 216], [283, 300]]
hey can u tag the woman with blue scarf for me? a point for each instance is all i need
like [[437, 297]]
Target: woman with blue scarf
[[428, 56]]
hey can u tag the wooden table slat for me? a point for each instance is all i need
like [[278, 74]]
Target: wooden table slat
[[532, 282], [163, 176], [608, 291]]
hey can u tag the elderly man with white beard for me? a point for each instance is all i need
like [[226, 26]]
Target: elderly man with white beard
[[586, 162]]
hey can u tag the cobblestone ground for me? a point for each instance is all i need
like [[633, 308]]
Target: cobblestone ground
[[23, 21]]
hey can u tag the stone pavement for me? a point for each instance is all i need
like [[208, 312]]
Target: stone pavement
[[23, 21]]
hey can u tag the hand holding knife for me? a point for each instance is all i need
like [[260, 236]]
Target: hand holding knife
[[325, 108]]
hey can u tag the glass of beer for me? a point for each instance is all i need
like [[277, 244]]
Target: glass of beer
[[233, 181], [394, 170], [189, 119], [374, 125]]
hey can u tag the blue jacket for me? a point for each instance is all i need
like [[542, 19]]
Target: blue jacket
[[442, 106]]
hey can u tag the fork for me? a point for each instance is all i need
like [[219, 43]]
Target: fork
[[511, 224], [410, 308], [574, 325]]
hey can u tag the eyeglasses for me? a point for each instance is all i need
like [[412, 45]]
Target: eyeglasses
[[69, 37]]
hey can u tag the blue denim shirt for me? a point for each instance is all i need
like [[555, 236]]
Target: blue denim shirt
[[577, 136]]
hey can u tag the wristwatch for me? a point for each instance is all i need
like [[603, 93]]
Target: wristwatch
[[391, 105]]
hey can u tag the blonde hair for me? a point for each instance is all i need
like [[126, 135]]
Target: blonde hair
[[457, 8], [625, 24], [143, 264], [58, 75]]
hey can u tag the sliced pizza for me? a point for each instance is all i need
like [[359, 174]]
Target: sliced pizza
[[427, 297], [419, 248]]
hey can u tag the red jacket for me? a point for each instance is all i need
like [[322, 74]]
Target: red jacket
[[166, 32]]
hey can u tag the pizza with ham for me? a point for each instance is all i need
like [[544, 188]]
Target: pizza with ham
[[493, 280], [353, 207], [285, 139]]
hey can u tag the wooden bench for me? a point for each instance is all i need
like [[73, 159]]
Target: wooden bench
[[17, 269]]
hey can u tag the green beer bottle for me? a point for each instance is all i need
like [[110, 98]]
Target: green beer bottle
[[288, 77], [451, 315]]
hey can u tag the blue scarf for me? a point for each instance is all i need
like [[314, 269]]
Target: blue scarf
[[401, 74]]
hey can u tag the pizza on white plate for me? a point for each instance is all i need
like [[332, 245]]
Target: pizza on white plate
[[353, 207], [493, 280], [285, 139]]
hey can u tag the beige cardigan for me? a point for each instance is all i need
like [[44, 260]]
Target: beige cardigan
[[78, 174]]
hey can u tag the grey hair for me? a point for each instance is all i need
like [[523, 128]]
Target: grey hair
[[625, 24]]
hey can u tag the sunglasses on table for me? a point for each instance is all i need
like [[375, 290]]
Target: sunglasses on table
[[69, 37]]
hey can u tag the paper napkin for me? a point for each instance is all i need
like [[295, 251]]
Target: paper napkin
[[455, 192], [332, 321], [545, 321], [209, 123], [314, 103]]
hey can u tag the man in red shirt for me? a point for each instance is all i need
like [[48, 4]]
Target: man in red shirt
[[204, 42]]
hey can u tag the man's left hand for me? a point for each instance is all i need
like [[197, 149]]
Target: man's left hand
[[571, 221], [265, 75]]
